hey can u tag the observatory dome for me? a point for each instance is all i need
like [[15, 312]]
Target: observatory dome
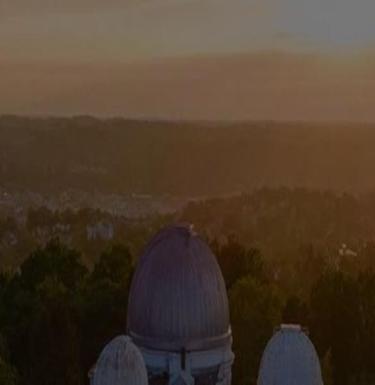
[[120, 363], [178, 312], [290, 359], [178, 297]]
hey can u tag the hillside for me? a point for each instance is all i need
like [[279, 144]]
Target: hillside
[[177, 158]]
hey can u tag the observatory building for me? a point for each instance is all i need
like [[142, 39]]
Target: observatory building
[[120, 363], [178, 312], [290, 359]]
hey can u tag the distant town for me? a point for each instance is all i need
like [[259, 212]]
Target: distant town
[[16, 203]]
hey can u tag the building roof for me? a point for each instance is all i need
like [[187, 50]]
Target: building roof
[[290, 359], [120, 363], [178, 297]]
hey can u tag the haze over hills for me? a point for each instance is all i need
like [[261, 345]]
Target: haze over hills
[[181, 158], [243, 86]]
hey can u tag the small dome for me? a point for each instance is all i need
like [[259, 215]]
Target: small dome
[[290, 359], [120, 363], [178, 298]]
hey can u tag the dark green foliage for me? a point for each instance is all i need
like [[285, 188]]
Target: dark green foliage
[[286, 263], [117, 155], [255, 311], [115, 265], [53, 342], [57, 316], [342, 323], [54, 261], [105, 297], [295, 311], [41, 316], [237, 261], [8, 375]]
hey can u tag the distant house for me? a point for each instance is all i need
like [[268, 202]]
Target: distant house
[[344, 251], [43, 233], [100, 231], [9, 239]]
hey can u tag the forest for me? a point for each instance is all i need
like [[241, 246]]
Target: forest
[[155, 157], [287, 255]]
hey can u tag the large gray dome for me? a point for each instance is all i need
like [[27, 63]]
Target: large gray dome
[[120, 363], [178, 298], [290, 359]]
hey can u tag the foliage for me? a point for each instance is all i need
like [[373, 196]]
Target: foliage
[[237, 261], [342, 323], [296, 257], [255, 310], [105, 296], [56, 315], [127, 156], [8, 375]]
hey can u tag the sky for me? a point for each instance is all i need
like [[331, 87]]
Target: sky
[[124, 49]]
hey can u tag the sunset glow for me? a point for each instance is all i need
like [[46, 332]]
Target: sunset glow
[[228, 46]]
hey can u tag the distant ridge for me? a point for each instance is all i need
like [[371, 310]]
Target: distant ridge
[[183, 157]]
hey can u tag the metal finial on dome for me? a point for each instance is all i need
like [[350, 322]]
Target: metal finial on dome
[[120, 363], [290, 359]]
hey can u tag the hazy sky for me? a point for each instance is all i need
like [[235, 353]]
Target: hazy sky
[[41, 36], [132, 29]]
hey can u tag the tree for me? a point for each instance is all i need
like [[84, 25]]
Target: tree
[[255, 311], [115, 265], [105, 297], [41, 317], [54, 340], [366, 297], [55, 260], [295, 311], [237, 261], [335, 323], [8, 375]]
